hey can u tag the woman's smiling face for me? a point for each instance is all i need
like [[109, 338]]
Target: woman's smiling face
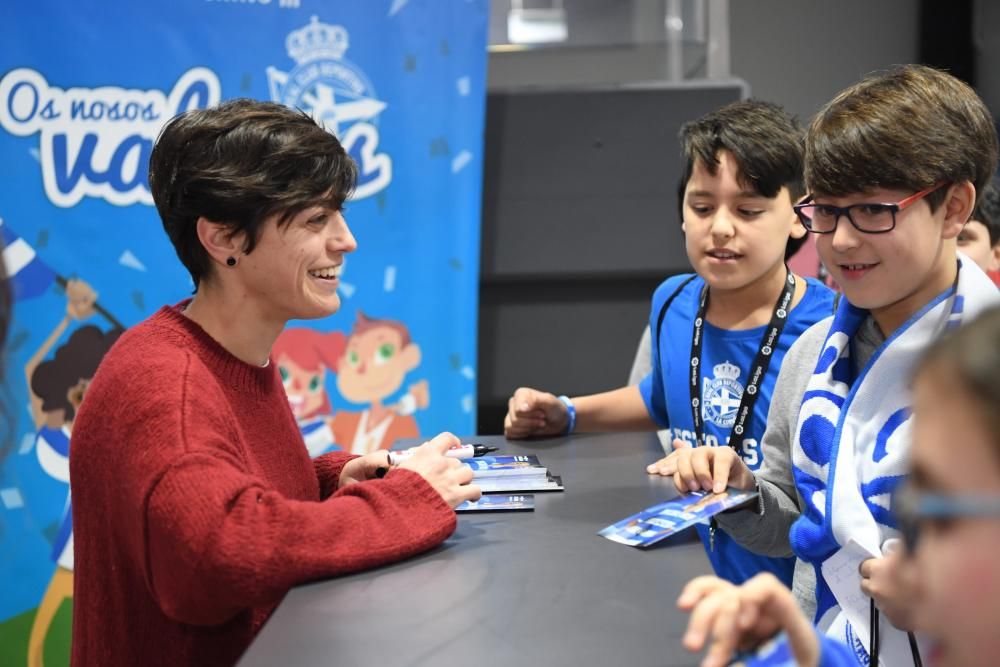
[[294, 270]]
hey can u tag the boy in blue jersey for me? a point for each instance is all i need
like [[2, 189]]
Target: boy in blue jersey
[[891, 190], [733, 320]]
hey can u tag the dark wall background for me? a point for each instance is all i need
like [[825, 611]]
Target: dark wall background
[[797, 53]]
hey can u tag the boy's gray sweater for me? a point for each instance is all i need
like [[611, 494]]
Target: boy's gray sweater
[[764, 528]]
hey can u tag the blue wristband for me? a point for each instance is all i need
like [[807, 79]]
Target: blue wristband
[[571, 424]]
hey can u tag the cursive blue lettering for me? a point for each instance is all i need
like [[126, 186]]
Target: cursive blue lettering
[[66, 179], [49, 111], [76, 109], [34, 101], [195, 97], [97, 108], [116, 176]]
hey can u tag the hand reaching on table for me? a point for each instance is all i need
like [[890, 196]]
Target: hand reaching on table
[[448, 476], [531, 412], [704, 468]]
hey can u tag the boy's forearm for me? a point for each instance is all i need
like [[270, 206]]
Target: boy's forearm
[[764, 527], [618, 410], [763, 532]]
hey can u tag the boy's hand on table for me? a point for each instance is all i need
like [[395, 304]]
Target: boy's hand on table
[[704, 468], [532, 412]]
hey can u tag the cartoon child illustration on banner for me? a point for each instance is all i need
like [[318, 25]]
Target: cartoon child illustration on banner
[[372, 363], [303, 357], [57, 388], [379, 355]]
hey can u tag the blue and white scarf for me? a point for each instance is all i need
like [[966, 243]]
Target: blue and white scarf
[[851, 447]]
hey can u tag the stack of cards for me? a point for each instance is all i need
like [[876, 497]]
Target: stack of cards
[[499, 502], [661, 521], [511, 474]]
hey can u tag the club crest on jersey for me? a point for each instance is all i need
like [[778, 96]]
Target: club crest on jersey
[[338, 95], [721, 395]]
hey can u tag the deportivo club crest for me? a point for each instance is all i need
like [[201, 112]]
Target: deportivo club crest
[[338, 95], [722, 395]]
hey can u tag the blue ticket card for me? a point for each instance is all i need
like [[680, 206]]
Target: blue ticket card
[[499, 502], [488, 466], [665, 519]]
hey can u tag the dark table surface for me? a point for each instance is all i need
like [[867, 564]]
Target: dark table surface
[[524, 588]]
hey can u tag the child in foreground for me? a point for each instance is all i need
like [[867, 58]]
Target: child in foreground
[[948, 577]]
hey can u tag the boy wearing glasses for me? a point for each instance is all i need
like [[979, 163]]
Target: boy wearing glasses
[[733, 320], [893, 165]]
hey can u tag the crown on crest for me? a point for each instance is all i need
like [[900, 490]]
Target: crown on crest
[[317, 40], [726, 371]]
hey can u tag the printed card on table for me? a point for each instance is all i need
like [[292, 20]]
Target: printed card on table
[[499, 502], [498, 466], [669, 518]]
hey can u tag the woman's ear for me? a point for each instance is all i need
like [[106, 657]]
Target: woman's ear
[[219, 241], [958, 205]]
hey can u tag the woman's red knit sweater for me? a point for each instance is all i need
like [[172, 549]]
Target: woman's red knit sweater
[[196, 506]]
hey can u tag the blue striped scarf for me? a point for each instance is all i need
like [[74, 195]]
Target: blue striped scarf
[[851, 444]]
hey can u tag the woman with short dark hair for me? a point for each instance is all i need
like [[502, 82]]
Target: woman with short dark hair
[[195, 504]]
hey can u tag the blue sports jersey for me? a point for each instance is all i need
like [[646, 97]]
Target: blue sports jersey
[[726, 357]]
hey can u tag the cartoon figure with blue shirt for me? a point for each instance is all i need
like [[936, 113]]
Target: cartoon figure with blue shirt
[[57, 387]]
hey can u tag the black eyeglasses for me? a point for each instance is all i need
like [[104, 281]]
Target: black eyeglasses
[[912, 508], [871, 218]]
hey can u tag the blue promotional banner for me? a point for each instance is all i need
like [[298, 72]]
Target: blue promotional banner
[[85, 88]]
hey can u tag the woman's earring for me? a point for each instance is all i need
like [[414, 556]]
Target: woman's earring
[[230, 261]]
